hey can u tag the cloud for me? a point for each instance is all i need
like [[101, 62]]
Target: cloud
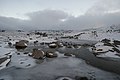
[[103, 13], [9, 23], [47, 18], [104, 6], [89, 21]]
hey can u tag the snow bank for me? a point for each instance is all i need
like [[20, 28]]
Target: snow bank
[[3, 65]]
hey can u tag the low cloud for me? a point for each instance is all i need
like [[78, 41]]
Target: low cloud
[[103, 13], [9, 23], [47, 19], [104, 6]]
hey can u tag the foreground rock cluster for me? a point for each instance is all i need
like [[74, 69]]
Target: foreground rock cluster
[[39, 54]]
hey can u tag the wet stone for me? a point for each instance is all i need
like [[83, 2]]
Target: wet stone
[[81, 78], [64, 78], [51, 55], [25, 52], [18, 53], [67, 54]]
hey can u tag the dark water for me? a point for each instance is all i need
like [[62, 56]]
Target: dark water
[[85, 54]]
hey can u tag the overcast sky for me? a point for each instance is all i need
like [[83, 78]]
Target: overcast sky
[[58, 14]]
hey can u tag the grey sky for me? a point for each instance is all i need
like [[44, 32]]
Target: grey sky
[[58, 14], [17, 8]]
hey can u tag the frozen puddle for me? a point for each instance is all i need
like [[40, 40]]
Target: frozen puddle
[[6, 77], [52, 69], [22, 60]]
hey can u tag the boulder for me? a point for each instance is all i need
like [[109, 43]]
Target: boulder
[[38, 54], [26, 53], [116, 42], [52, 45], [105, 40], [75, 46], [67, 54], [59, 44], [69, 46], [21, 44], [108, 44], [35, 42], [9, 43], [117, 50], [51, 55]]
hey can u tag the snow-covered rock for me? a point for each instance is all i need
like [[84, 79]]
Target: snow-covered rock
[[109, 54], [52, 45], [102, 49], [4, 62]]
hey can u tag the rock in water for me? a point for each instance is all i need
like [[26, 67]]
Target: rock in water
[[53, 45], [51, 55], [21, 44], [38, 54], [67, 54]]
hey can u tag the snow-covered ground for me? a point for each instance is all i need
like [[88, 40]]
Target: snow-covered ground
[[98, 36], [60, 66], [101, 35], [3, 48], [21, 60]]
